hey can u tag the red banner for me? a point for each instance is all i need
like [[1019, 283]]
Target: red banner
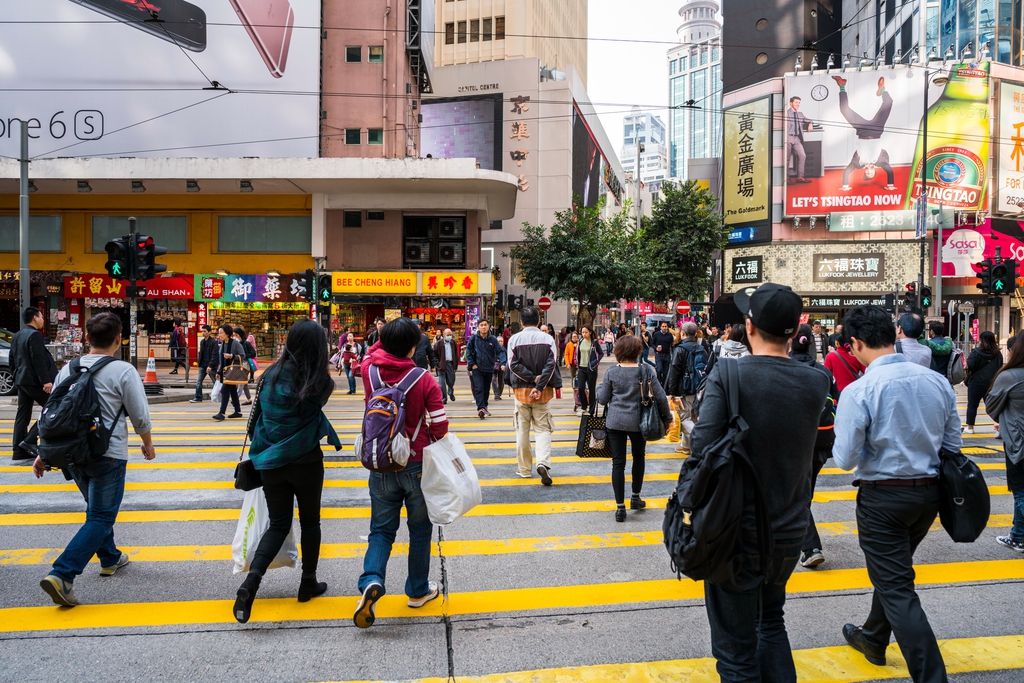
[[96, 286]]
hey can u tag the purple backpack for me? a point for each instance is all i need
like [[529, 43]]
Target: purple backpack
[[382, 444]]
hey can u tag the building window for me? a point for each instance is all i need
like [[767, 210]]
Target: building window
[[353, 219], [374, 215], [354, 53], [438, 241], [462, 31], [449, 33], [698, 117], [703, 57], [375, 53], [672, 66], [44, 233], [265, 234], [474, 31], [352, 136], [682, 63], [170, 232], [499, 28], [487, 29], [715, 56], [375, 136]]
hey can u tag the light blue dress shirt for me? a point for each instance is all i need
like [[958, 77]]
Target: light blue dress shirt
[[891, 423]]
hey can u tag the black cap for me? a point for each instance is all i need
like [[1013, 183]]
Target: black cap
[[773, 308]]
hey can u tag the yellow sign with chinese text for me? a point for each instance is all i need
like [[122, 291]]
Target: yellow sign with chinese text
[[451, 283], [746, 190], [370, 282]]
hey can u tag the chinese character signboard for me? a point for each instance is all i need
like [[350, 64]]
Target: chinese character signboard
[[747, 269], [1010, 169], [853, 140], [964, 248], [363, 282], [451, 283], [95, 286], [849, 267], [746, 192], [249, 288]]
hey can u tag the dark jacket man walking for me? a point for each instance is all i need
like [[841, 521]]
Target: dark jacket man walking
[[34, 372]]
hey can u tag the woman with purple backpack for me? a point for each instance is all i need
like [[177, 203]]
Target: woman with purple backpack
[[425, 421]]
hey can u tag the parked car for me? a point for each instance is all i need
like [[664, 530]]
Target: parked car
[[6, 374]]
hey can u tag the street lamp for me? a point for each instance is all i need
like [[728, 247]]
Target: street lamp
[[923, 197]]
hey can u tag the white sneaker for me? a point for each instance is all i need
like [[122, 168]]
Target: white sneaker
[[967, 429], [431, 594], [110, 571]]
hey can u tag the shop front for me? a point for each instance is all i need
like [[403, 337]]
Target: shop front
[[264, 305], [45, 293]]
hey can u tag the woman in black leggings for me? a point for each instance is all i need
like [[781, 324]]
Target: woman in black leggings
[[982, 366], [287, 425], [588, 358]]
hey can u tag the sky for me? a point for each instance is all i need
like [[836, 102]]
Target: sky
[[621, 74]]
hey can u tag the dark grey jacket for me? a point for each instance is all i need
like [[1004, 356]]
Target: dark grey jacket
[[620, 391], [1005, 404]]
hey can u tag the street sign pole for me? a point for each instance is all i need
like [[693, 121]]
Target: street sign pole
[[24, 281], [132, 301]]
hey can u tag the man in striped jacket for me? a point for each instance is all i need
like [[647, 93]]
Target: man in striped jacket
[[534, 377]]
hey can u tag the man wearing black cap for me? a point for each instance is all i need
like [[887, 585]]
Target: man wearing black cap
[[781, 401]]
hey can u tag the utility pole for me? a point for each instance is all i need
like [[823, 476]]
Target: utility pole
[[938, 274], [924, 185], [24, 283], [133, 270]]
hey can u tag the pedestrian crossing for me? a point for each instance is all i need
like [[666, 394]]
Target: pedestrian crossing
[[535, 561]]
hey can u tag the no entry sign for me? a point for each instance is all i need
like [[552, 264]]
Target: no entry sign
[[544, 303], [683, 307]]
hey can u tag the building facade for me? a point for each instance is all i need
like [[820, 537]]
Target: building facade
[[695, 87], [648, 130], [475, 31]]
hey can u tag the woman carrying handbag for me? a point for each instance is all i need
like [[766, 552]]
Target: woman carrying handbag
[[232, 365], [623, 389]]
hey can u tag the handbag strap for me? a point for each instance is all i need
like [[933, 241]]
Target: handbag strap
[[856, 375], [732, 393]]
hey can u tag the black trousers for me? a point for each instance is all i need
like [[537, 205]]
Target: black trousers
[[282, 486], [617, 443], [27, 396], [892, 521], [812, 540], [587, 380], [975, 392]]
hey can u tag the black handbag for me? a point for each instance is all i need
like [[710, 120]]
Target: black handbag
[[593, 437], [964, 503], [247, 477], [651, 426]]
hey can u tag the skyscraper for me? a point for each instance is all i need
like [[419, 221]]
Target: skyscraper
[[649, 130], [695, 86]]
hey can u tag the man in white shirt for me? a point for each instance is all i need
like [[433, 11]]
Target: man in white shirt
[[908, 330]]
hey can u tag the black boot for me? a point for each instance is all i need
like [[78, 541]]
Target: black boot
[[309, 587], [246, 595], [636, 503]]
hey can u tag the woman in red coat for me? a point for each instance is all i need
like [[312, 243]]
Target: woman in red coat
[[843, 364]]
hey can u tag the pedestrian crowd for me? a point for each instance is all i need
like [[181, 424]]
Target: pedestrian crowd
[[875, 396]]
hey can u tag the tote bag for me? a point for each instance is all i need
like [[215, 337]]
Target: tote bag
[[253, 522], [449, 483], [593, 437]]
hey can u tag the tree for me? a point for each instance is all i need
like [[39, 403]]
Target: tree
[[678, 243], [583, 258]]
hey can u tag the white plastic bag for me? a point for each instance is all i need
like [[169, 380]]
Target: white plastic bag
[[215, 392], [449, 484], [253, 522]]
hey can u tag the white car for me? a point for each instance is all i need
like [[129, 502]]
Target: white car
[[6, 374]]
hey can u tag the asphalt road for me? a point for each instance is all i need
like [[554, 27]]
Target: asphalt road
[[543, 584]]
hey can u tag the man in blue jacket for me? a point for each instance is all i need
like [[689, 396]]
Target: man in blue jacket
[[483, 352]]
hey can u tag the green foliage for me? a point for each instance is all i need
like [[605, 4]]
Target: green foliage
[[676, 247]]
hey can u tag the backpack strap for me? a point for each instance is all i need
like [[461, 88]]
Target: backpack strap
[[375, 382], [856, 375], [406, 384]]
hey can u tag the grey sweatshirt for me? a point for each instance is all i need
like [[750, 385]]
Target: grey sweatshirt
[[118, 384], [620, 391], [1005, 404]]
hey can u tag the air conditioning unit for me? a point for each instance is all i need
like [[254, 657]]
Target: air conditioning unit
[[451, 228], [450, 254], [417, 252]]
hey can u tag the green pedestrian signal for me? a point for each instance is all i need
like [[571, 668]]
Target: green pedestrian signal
[[325, 287], [118, 257], [926, 297], [999, 283]]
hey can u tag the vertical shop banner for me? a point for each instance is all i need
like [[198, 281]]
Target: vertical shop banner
[[964, 248], [746, 192], [1010, 158], [854, 140], [472, 315], [249, 288]]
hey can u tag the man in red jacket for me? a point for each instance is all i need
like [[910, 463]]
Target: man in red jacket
[[390, 491]]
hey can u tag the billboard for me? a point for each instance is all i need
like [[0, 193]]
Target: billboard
[[853, 140], [161, 78], [1010, 166], [965, 247], [586, 162], [746, 155], [462, 128]]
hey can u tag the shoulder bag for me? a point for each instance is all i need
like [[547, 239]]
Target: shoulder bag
[[247, 477], [651, 426], [593, 437], [236, 373]]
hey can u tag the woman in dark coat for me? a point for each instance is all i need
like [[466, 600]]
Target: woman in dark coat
[[982, 366]]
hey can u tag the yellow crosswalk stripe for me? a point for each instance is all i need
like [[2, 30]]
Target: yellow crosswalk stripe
[[131, 615], [507, 546], [815, 665]]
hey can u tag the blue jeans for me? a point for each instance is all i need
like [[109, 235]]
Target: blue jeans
[[102, 486], [351, 379], [388, 492], [203, 374], [750, 650], [644, 357], [663, 361], [1015, 481], [481, 387]]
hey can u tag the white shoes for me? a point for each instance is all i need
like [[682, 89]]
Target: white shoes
[[967, 429]]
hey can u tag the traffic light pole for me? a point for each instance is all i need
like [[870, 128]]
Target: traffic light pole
[[24, 281], [133, 303]]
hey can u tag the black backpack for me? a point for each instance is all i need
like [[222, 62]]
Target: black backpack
[[964, 503], [71, 429], [703, 527]]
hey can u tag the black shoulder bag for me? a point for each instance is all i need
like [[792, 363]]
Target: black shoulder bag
[[247, 477]]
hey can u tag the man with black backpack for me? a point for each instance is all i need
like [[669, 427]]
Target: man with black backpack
[[689, 368], [779, 404], [100, 477], [891, 425]]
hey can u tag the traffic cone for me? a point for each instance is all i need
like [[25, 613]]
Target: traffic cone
[[151, 370]]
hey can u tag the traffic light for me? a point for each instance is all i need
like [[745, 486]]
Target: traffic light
[[889, 303], [1011, 273], [926, 296], [986, 276], [324, 287], [144, 259], [119, 258], [911, 295], [309, 286], [499, 300], [1004, 277]]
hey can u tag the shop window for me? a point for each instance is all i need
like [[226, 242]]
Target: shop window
[[265, 234], [352, 136], [353, 219], [375, 136], [438, 241], [374, 215], [170, 232], [449, 33], [375, 53], [474, 31], [487, 29], [462, 31], [44, 233], [499, 28], [354, 53]]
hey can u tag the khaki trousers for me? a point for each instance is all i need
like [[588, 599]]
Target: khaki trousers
[[539, 416], [685, 421]]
